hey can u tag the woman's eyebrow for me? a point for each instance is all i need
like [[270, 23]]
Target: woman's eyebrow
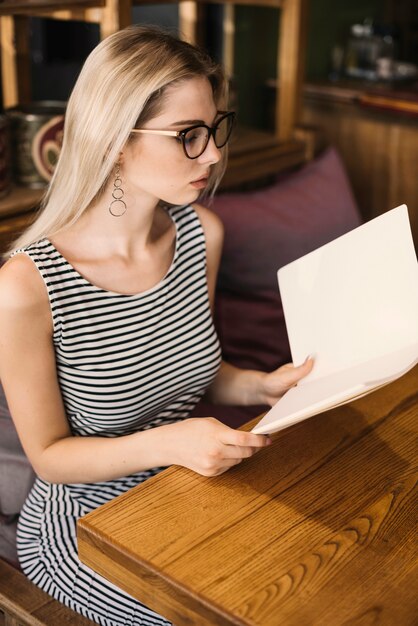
[[187, 122], [192, 122]]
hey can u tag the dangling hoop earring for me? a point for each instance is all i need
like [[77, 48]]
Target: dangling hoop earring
[[117, 207]]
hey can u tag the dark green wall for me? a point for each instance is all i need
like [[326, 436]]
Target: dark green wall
[[256, 45], [329, 23], [256, 31]]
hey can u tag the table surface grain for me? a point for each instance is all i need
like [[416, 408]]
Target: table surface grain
[[318, 529]]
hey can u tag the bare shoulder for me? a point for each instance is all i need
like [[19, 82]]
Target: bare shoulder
[[212, 225], [214, 235], [21, 287]]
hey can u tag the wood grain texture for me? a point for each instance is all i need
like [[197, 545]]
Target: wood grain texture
[[262, 3], [379, 150], [31, 7], [263, 159], [23, 604], [11, 229], [115, 16], [291, 65], [20, 200], [317, 529]]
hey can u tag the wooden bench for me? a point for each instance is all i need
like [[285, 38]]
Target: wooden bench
[[23, 604]]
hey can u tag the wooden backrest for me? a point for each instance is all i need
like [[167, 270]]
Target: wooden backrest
[[23, 604]]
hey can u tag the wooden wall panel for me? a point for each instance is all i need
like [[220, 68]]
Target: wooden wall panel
[[380, 152]]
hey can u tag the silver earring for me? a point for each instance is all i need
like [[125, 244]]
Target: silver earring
[[117, 207]]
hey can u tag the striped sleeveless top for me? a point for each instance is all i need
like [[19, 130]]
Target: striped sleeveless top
[[128, 362]]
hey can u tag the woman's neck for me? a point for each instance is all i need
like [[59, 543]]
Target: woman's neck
[[138, 228]]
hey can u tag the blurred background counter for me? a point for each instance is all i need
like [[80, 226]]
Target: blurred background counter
[[375, 129]]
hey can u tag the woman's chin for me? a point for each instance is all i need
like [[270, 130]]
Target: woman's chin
[[182, 198]]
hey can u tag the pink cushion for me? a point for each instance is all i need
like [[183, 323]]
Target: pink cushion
[[264, 230]]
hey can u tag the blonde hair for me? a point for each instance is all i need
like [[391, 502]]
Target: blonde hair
[[121, 85]]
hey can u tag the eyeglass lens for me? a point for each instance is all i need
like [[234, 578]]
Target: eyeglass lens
[[196, 139]]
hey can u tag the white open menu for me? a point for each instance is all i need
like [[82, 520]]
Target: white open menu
[[353, 306]]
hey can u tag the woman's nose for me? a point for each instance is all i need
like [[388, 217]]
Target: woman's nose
[[211, 154]]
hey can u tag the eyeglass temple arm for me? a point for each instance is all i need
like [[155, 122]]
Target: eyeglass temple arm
[[149, 131], [169, 133]]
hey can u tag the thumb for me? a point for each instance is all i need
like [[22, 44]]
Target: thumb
[[305, 367], [295, 373]]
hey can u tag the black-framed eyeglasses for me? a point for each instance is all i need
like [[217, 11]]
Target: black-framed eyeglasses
[[195, 139]]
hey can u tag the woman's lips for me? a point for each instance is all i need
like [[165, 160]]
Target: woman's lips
[[200, 183]]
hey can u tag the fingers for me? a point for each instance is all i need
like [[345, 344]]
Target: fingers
[[235, 445], [215, 446], [238, 452], [243, 439]]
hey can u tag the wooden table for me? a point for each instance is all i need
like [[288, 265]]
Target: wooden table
[[319, 529]]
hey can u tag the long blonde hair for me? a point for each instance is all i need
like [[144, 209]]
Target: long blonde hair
[[121, 85]]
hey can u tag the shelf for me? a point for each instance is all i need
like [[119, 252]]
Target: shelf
[[260, 3], [32, 7], [398, 100], [17, 211], [11, 229], [20, 200], [255, 155], [28, 7]]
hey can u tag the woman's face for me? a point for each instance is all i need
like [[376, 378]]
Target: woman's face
[[155, 166]]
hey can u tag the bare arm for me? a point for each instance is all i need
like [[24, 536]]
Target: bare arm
[[245, 387], [29, 377], [214, 236]]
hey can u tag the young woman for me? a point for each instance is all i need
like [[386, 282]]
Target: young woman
[[107, 339]]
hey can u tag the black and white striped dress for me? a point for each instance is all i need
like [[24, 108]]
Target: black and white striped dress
[[125, 363]]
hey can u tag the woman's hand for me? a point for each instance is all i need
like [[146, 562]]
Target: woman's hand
[[273, 385], [209, 447]]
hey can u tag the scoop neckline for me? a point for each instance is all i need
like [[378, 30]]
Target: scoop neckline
[[127, 295]]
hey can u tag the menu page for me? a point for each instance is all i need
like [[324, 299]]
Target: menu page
[[352, 305]]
